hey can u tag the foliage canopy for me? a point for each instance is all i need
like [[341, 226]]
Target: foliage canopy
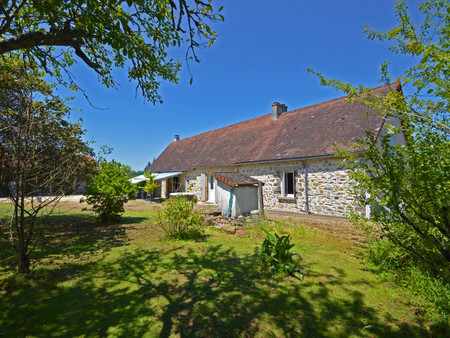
[[41, 152], [109, 190], [408, 185], [179, 220], [107, 34], [150, 185]]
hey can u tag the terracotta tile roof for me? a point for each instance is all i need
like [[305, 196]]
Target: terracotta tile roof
[[300, 133], [235, 179]]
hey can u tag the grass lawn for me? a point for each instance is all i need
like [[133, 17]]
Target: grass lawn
[[123, 280]]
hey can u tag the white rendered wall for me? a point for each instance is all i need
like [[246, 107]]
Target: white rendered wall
[[245, 199], [223, 197]]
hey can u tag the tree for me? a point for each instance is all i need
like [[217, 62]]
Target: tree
[[109, 190], [409, 185], [107, 34], [133, 173], [150, 185], [41, 153], [147, 166]]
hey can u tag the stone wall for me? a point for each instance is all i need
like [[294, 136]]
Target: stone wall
[[328, 185], [164, 193], [329, 188]]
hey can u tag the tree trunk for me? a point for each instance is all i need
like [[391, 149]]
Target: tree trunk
[[22, 245], [24, 261]]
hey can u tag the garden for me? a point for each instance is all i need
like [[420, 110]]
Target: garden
[[130, 279]]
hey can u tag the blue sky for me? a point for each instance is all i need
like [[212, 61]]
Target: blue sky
[[261, 56]]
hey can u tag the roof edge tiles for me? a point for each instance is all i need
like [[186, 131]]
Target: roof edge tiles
[[303, 133], [234, 179]]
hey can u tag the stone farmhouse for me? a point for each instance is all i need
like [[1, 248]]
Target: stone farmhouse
[[290, 152]]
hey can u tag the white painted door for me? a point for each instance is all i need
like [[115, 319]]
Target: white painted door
[[211, 189]]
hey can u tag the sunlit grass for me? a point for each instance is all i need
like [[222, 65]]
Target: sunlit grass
[[123, 280]]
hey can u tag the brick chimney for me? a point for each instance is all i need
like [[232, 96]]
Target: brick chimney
[[176, 138], [278, 109]]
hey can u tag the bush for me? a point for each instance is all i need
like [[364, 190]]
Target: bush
[[109, 190], [150, 185], [178, 220], [275, 254], [394, 262]]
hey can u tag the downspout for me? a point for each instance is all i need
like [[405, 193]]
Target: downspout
[[306, 188], [230, 203]]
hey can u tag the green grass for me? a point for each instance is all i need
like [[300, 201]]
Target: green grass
[[123, 280]]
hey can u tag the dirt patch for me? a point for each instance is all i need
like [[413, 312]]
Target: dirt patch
[[135, 205], [336, 227], [331, 226]]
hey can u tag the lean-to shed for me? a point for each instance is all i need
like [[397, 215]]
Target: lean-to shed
[[236, 193]]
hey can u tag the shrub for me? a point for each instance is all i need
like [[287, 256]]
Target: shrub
[[263, 225], [109, 190], [394, 262], [178, 220], [275, 254], [150, 185], [281, 226]]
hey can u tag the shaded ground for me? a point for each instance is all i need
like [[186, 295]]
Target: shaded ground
[[337, 227], [124, 280]]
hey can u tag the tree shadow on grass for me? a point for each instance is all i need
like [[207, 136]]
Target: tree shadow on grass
[[85, 308], [237, 298], [223, 294], [134, 219], [197, 291], [78, 234], [71, 236]]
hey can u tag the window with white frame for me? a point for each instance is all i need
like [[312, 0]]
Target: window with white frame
[[288, 184]]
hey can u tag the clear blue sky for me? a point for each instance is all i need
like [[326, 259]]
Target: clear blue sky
[[261, 56]]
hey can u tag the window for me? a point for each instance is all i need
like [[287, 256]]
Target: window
[[211, 182], [176, 184], [288, 184]]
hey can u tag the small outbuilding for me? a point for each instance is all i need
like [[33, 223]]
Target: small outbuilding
[[236, 193]]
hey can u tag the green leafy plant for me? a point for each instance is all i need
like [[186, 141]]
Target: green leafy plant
[[275, 254], [150, 185], [391, 261], [105, 35], [178, 220], [404, 175], [42, 152], [109, 190], [281, 226]]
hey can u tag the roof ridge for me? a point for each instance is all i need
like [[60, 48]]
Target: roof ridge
[[228, 126], [393, 84], [293, 135], [398, 84]]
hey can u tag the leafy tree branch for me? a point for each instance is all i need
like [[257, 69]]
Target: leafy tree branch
[[108, 34]]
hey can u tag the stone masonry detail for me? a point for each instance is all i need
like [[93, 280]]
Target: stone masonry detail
[[328, 185]]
